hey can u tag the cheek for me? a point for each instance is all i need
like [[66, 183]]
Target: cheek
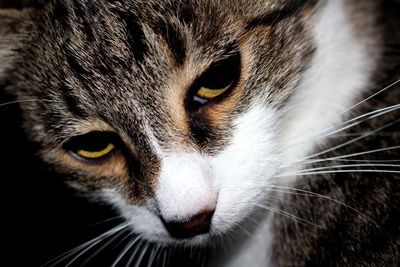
[[247, 166]]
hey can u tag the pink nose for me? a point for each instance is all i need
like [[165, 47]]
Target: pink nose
[[197, 225]]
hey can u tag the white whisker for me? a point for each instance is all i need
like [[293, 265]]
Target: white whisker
[[394, 107], [135, 251], [164, 257], [313, 194], [126, 249], [372, 96], [353, 121], [152, 256], [102, 248], [23, 101], [87, 249], [141, 255], [338, 171], [355, 155], [350, 141], [347, 166], [287, 214], [95, 241]]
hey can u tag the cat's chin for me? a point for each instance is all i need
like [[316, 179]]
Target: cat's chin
[[200, 241], [144, 222], [212, 240]]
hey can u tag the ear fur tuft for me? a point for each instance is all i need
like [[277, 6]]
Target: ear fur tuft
[[12, 23]]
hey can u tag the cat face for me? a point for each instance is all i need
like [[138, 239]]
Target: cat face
[[170, 111]]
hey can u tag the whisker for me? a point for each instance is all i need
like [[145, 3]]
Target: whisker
[[164, 258], [365, 117], [243, 229], [313, 194], [369, 161], [81, 253], [126, 249], [87, 260], [350, 141], [348, 166], [345, 111], [288, 215], [382, 134], [23, 101], [95, 240], [372, 96], [152, 256], [353, 121], [354, 155], [141, 255], [135, 251], [107, 220], [339, 171]]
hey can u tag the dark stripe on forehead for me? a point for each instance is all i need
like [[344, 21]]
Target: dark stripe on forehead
[[72, 102], [174, 40], [136, 39], [274, 17], [75, 66], [186, 14], [83, 15], [61, 12]]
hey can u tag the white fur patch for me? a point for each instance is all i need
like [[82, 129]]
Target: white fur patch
[[242, 171], [339, 72]]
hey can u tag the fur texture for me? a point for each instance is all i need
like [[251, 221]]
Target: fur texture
[[298, 160]]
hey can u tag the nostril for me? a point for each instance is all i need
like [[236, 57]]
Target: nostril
[[198, 222], [196, 225]]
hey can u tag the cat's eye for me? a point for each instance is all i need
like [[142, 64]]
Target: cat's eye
[[217, 81], [93, 146]]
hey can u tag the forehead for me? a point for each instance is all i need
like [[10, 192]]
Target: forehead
[[130, 57], [133, 61]]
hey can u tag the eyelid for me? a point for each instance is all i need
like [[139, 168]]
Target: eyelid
[[233, 65], [93, 147]]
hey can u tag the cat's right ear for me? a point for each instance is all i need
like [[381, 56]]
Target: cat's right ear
[[13, 13], [10, 21]]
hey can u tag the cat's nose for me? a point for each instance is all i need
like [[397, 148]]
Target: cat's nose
[[196, 225]]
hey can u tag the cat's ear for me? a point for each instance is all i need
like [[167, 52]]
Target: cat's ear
[[11, 21], [14, 17], [13, 13]]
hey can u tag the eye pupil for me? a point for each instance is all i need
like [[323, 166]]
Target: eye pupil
[[219, 76]]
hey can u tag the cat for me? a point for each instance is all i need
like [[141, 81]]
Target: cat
[[226, 133]]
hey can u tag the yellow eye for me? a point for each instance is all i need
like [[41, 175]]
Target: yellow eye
[[96, 154], [209, 93], [216, 82], [93, 146]]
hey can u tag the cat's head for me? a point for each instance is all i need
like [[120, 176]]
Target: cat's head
[[170, 110]]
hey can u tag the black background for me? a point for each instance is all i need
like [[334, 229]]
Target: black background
[[41, 217]]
